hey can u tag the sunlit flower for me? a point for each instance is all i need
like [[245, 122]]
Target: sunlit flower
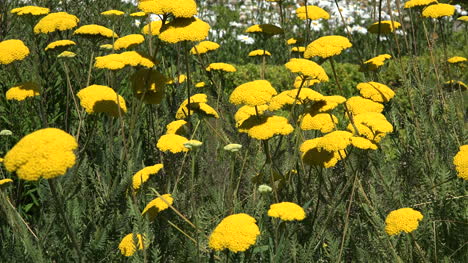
[[453, 85], [119, 61], [204, 47], [184, 29], [266, 127], [259, 52], [323, 122], [52, 22], [174, 127], [60, 44], [221, 67], [157, 205], [357, 105], [178, 8], [254, 93], [372, 125], [414, 3], [30, 10], [375, 62], [298, 49], [245, 112], [95, 31], [266, 29], [173, 143], [328, 103], [456, 60], [311, 12], [131, 242], [45, 153], [312, 155], [154, 27], [106, 46], [112, 12], [5, 181], [12, 50], [295, 40], [385, 27], [402, 220], [460, 160], [289, 97], [138, 14], [200, 84], [198, 104], [128, 41], [438, 10], [143, 175], [375, 91], [287, 211], [327, 46], [22, 91], [307, 68], [66, 54], [463, 18], [97, 98]]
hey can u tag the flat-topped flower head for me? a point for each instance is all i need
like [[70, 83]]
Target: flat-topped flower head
[[259, 52], [302, 81], [335, 141], [173, 143], [311, 12], [456, 60], [149, 85], [98, 98], [204, 47], [60, 44], [298, 49], [307, 68], [287, 211], [198, 104], [178, 8], [328, 103], [312, 155], [266, 127], [402, 220], [144, 174], [30, 10], [295, 40], [323, 122], [5, 182], [12, 50], [415, 3], [266, 29], [138, 14], [221, 67], [438, 10], [289, 97], [52, 22], [460, 160], [184, 29], [112, 12], [119, 61], [375, 91], [66, 54], [157, 205], [357, 105], [245, 112], [236, 232], [375, 62], [327, 46], [22, 91], [95, 31], [153, 28], [371, 125], [175, 127], [254, 93], [131, 243], [463, 18], [45, 153], [106, 46], [385, 27], [128, 41]]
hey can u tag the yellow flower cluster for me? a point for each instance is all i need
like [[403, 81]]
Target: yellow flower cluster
[[312, 155], [143, 175], [112, 12], [376, 91], [173, 143], [254, 93], [95, 31], [287, 211], [97, 98], [154, 27], [138, 14], [452, 85], [357, 105], [22, 91], [52, 22], [372, 125], [131, 242], [66, 54], [456, 60], [265, 127], [327, 46], [385, 27], [204, 47], [289, 97], [294, 41], [236, 232], [157, 205], [375, 62], [184, 29], [402, 220], [323, 122], [259, 52], [266, 29], [329, 103], [60, 44], [45, 153], [304, 82], [149, 85], [414, 3], [198, 103], [298, 49], [119, 61], [438, 10], [311, 12], [5, 181], [461, 162], [221, 67], [178, 8], [463, 18], [307, 68], [245, 112], [12, 50], [174, 127], [30, 10], [128, 41]]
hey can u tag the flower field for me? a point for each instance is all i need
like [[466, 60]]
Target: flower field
[[233, 131]]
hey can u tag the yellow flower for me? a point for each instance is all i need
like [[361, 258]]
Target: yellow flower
[[12, 50], [59, 44], [265, 127], [129, 243], [288, 97], [178, 8], [184, 29], [463, 18], [266, 29], [204, 47], [254, 93], [307, 68], [197, 104], [327, 46], [149, 85], [312, 155], [236, 232], [363, 143], [295, 40], [357, 105], [375, 91], [460, 160], [175, 126], [143, 175], [153, 27], [335, 141], [372, 125], [375, 62], [95, 31], [453, 85], [221, 67], [328, 103], [66, 54], [298, 49], [245, 112], [456, 60], [157, 205], [22, 91], [138, 14], [259, 52], [45, 153], [52, 22], [287, 211], [438, 10], [119, 61], [173, 143], [311, 12], [181, 78], [385, 27], [106, 46], [308, 82], [324, 122], [402, 220], [97, 98], [5, 181], [112, 13], [30, 10], [414, 3], [200, 84], [128, 41]]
